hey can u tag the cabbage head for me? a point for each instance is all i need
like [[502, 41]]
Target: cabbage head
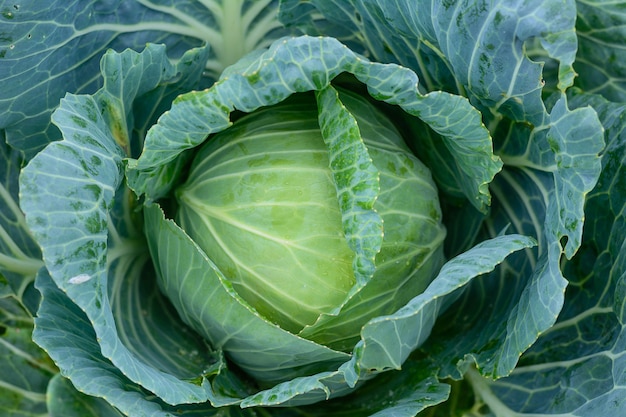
[[264, 204]]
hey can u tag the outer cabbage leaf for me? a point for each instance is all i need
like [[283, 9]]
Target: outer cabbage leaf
[[528, 291], [98, 385], [577, 366], [601, 59], [49, 51], [68, 336], [480, 43], [87, 227]]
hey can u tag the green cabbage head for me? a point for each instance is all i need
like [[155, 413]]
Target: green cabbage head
[[264, 201]]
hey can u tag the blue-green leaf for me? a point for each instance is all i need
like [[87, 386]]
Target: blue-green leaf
[[576, 367], [65, 41], [388, 340], [576, 137], [85, 225], [69, 336]]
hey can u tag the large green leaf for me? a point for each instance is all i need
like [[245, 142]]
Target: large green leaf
[[577, 367], [528, 291], [481, 43], [601, 60], [87, 228], [67, 333], [65, 40]]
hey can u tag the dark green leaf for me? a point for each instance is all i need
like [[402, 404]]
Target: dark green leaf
[[26, 371], [601, 59], [65, 401]]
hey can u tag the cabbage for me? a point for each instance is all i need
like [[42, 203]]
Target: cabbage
[[320, 208], [262, 204]]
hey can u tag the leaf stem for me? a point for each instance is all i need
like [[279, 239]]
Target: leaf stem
[[193, 27], [26, 266], [14, 259], [32, 396], [483, 391], [10, 202], [27, 357]]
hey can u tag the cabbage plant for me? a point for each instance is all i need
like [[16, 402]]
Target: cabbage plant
[[323, 208]]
